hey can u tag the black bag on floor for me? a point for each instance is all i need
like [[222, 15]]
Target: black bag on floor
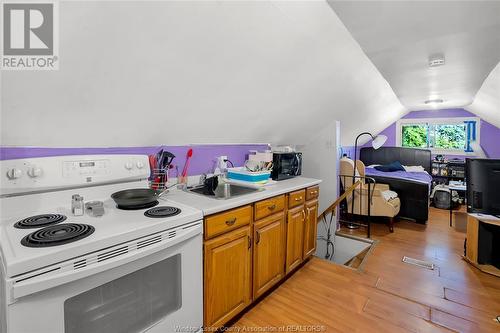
[[442, 199]]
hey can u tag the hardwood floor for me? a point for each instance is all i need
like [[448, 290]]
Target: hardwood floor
[[386, 295]]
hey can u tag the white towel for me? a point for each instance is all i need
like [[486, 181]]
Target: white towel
[[388, 195]]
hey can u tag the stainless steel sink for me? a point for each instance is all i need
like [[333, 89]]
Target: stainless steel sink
[[225, 191]]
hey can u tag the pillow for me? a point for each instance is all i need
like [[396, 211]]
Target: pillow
[[391, 167], [414, 168]]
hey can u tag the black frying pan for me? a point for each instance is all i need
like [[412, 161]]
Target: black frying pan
[[136, 197]]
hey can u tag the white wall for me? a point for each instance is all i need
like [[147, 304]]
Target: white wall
[[487, 101], [143, 73], [320, 159]]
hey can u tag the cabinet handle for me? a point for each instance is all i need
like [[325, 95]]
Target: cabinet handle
[[249, 242], [257, 237], [314, 192], [304, 215], [272, 207], [298, 199], [231, 221]]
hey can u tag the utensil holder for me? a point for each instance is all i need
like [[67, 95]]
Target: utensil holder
[[158, 179]]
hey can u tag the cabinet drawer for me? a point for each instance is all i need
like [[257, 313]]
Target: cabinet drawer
[[312, 193], [269, 206], [296, 198], [229, 220]]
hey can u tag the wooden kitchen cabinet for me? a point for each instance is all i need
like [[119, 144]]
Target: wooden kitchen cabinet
[[296, 198], [250, 249], [310, 228], [268, 253], [227, 280], [312, 193], [294, 237], [226, 221], [269, 206]]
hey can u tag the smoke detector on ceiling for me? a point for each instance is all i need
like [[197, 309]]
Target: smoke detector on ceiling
[[436, 60]]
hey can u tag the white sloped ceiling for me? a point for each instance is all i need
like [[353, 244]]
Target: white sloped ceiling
[[159, 72], [487, 101], [400, 37]]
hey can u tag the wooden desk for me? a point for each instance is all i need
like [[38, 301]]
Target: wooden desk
[[473, 221]]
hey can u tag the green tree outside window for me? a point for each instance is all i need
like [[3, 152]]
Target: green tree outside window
[[441, 136], [415, 136], [450, 136]]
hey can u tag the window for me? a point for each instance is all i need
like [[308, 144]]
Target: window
[[439, 135], [415, 136]]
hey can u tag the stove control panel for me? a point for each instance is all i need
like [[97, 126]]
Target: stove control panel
[[60, 172], [86, 168]]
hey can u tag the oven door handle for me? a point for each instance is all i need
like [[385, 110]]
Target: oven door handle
[[66, 273]]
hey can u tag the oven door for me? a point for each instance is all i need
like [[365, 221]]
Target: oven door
[[161, 292]]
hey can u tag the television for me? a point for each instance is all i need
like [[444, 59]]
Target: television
[[483, 185]]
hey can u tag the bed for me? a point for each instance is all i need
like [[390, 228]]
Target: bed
[[413, 188]]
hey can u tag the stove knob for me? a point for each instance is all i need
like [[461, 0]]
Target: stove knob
[[140, 165], [34, 172], [14, 173], [129, 166]]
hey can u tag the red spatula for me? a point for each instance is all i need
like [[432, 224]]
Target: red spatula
[[186, 165]]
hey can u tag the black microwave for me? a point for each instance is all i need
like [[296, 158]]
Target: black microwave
[[286, 165]]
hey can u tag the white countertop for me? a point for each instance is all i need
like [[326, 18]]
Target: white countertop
[[485, 218], [211, 206]]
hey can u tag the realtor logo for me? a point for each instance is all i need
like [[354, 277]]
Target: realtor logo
[[29, 36]]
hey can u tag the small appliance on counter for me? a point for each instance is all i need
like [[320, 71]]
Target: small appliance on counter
[[260, 157], [286, 165]]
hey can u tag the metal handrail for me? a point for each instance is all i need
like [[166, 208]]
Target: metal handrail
[[330, 249], [371, 183], [371, 180], [333, 206]]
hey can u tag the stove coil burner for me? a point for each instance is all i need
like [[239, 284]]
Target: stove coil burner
[[162, 211], [57, 235], [138, 207], [39, 221]]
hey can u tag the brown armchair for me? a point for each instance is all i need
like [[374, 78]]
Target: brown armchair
[[381, 205]]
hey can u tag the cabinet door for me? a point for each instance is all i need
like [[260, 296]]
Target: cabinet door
[[268, 253], [228, 261], [310, 228], [294, 237]]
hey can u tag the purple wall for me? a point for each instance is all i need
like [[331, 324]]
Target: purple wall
[[490, 139], [201, 162], [391, 141], [444, 113], [490, 134]]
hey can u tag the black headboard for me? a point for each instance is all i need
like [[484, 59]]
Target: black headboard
[[386, 155]]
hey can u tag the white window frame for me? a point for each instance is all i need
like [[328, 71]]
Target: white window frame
[[438, 121]]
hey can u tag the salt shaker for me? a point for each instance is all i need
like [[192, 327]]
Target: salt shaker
[[77, 205]]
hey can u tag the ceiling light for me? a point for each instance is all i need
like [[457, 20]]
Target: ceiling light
[[433, 102], [436, 60]]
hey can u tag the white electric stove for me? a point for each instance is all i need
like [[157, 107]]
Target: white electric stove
[[125, 271]]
